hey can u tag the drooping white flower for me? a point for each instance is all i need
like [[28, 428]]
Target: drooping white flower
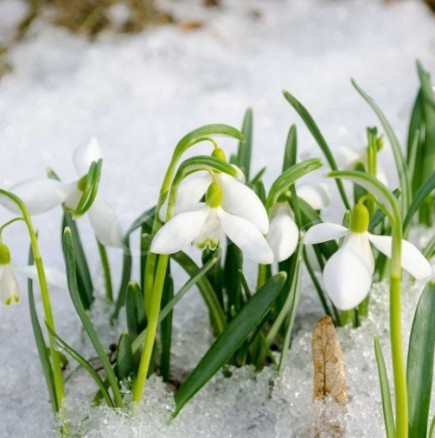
[[9, 293], [315, 194], [348, 273], [43, 194], [101, 215], [237, 198], [283, 232], [206, 224]]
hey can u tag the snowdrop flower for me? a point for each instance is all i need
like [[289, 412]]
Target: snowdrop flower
[[348, 273], [283, 235], [43, 194], [8, 284], [102, 217], [283, 232], [231, 209]]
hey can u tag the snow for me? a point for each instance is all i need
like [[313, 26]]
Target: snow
[[138, 95]]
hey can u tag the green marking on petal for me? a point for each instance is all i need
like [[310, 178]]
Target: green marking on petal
[[208, 243], [13, 299], [5, 255], [359, 219], [213, 197]]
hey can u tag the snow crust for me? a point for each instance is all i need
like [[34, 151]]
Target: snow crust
[[138, 95]]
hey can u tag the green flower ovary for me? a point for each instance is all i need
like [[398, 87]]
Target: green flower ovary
[[359, 219], [5, 255], [213, 197], [219, 153]]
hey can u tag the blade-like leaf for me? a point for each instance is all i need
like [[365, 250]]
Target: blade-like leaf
[[85, 365], [68, 247], [124, 357], [315, 132], [291, 148], [402, 169], [385, 390], [230, 340], [244, 151], [420, 366]]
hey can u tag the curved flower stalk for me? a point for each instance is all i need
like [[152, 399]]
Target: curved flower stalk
[[9, 292], [41, 195], [348, 273], [231, 209]]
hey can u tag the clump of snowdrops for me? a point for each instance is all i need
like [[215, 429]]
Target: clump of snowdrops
[[215, 203]]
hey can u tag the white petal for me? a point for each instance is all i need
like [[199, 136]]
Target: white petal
[[179, 232], [382, 176], [211, 232], [359, 243], [53, 276], [85, 155], [323, 232], [189, 193], [347, 279], [8, 285], [241, 201], [283, 233], [39, 195], [105, 223], [317, 195], [346, 158], [413, 260], [247, 237]]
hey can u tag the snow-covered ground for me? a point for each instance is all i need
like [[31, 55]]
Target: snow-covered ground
[[138, 95]]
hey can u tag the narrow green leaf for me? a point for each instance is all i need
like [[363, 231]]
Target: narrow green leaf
[[245, 147], [432, 428], [68, 247], [258, 176], [106, 270], [232, 284], [385, 390], [135, 311], [420, 197], [420, 366], [315, 132], [289, 177], [84, 280], [402, 169], [166, 329], [291, 148], [414, 128], [124, 357], [230, 340], [85, 365], [429, 249], [42, 350]]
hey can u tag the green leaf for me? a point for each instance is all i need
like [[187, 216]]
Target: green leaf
[[68, 247], [429, 249], [232, 284], [135, 311], [385, 391], [85, 365], [124, 357], [42, 350], [244, 151], [420, 197], [414, 130], [289, 177], [402, 169], [84, 280], [420, 366], [291, 149], [166, 329], [230, 340], [315, 132], [194, 279]]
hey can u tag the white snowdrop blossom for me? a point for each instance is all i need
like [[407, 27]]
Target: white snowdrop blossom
[[42, 194], [283, 232], [9, 293], [231, 209], [348, 273]]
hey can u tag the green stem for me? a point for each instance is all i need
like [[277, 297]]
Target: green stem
[[106, 269], [399, 370], [262, 275], [153, 318], [45, 295]]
